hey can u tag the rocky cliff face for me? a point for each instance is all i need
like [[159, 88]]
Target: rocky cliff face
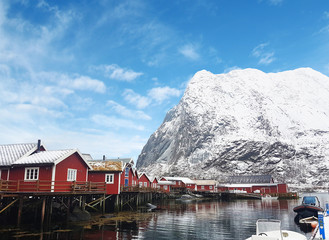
[[246, 122]]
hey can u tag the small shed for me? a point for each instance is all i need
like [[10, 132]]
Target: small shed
[[165, 186]]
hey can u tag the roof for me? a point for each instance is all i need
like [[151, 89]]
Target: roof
[[124, 160], [100, 165], [12, 152], [87, 157], [143, 173], [250, 179], [48, 157], [185, 180], [205, 182], [166, 183]]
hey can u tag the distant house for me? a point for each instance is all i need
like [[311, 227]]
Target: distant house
[[181, 183], [154, 182], [108, 172], [166, 186], [253, 184], [205, 185], [144, 181], [10, 153], [49, 171]]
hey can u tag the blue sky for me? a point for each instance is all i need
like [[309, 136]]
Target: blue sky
[[101, 75]]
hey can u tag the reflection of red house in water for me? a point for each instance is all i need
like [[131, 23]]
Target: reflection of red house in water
[[253, 184]]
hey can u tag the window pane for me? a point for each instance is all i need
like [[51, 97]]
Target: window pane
[[28, 174], [36, 173]]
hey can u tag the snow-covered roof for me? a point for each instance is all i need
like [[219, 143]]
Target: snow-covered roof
[[185, 180], [87, 157], [247, 184], [12, 152], [205, 182], [48, 157], [166, 183], [100, 165], [143, 173], [250, 179]]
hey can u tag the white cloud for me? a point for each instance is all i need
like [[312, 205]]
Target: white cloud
[[162, 93], [115, 72], [136, 99], [86, 83], [265, 57], [123, 111], [113, 122], [189, 51]]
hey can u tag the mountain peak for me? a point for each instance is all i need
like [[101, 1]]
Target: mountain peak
[[245, 121]]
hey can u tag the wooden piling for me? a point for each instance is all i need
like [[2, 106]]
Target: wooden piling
[[43, 213], [19, 214]]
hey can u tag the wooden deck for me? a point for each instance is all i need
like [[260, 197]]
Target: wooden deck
[[50, 187]]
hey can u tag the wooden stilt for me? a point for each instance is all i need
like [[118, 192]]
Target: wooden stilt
[[43, 213], [19, 215]]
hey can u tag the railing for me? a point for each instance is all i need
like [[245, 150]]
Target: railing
[[10, 186]]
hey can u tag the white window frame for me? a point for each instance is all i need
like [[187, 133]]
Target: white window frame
[[202, 187], [165, 187], [30, 174], [210, 187], [71, 174], [145, 184], [140, 184], [109, 178]]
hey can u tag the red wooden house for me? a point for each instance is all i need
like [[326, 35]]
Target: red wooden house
[[165, 186], [144, 181], [10, 153], [55, 171], [253, 184], [154, 182], [180, 183], [205, 185], [108, 172]]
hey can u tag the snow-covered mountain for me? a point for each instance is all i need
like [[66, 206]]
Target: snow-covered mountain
[[246, 122]]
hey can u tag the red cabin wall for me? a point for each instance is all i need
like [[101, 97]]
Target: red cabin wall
[[143, 179], [111, 188], [129, 177], [206, 188], [282, 188], [4, 174], [74, 162], [45, 173]]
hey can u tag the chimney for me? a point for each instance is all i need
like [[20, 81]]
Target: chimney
[[104, 158], [39, 145]]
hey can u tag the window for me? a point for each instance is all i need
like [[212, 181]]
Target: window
[[127, 172], [71, 174], [31, 173], [210, 187], [0, 174], [165, 187], [140, 184], [145, 184], [109, 178], [202, 187]]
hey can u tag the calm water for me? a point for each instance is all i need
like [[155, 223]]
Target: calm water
[[189, 220]]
